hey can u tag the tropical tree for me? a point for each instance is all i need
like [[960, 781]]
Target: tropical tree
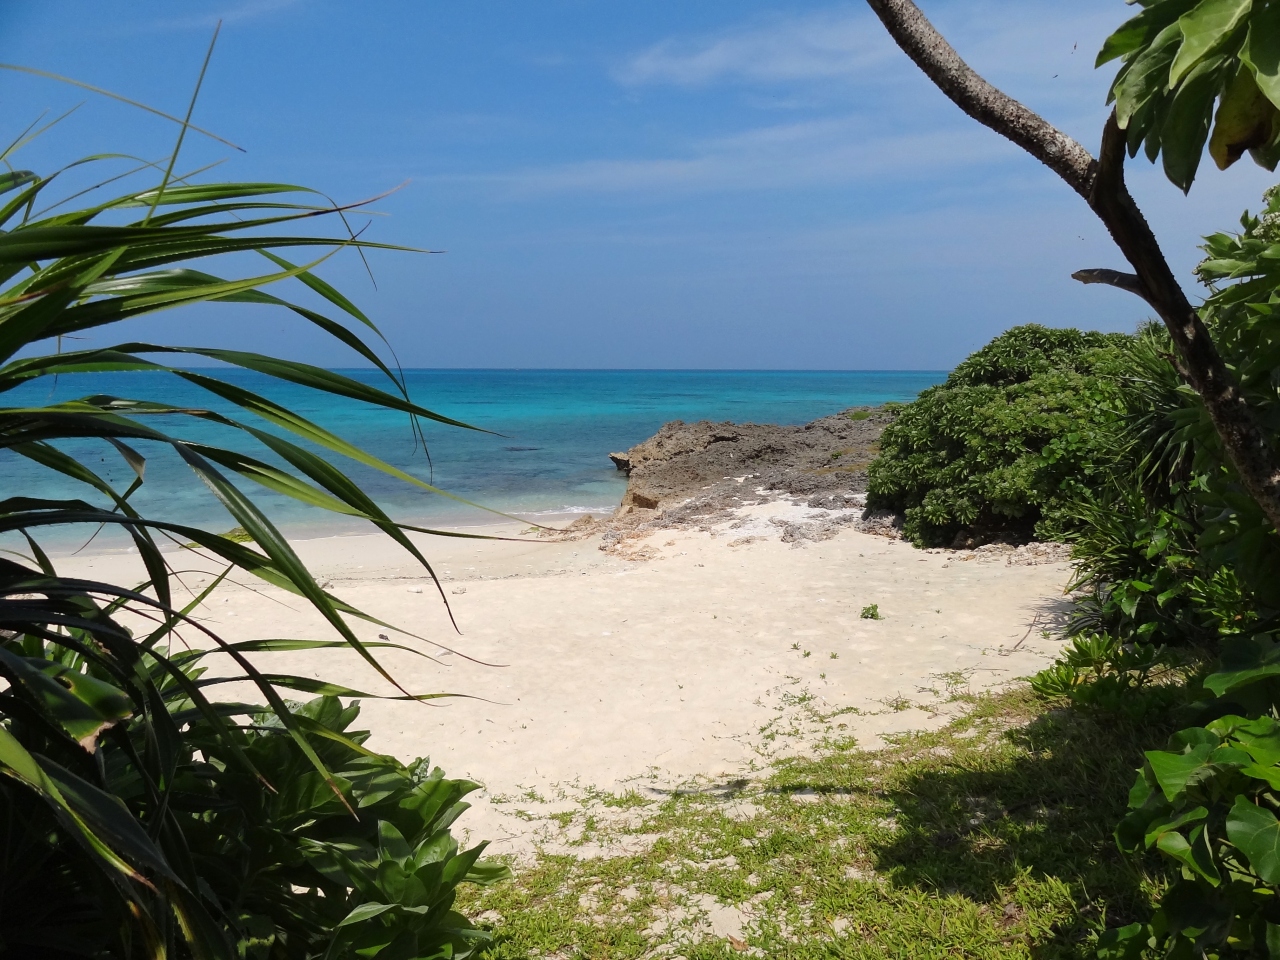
[[1188, 537], [1179, 58]]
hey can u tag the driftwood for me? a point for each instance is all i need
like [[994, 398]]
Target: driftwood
[[1100, 182]]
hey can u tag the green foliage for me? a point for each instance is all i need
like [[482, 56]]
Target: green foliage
[[871, 612], [1173, 552], [997, 449], [1105, 673], [291, 871], [1208, 804], [144, 818], [1179, 58]]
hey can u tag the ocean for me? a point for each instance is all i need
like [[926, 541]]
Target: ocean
[[547, 456]]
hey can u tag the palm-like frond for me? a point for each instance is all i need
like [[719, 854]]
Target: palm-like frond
[[95, 724]]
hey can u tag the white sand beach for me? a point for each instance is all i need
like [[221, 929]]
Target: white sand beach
[[694, 666]]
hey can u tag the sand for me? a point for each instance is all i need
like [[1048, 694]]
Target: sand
[[696, 666]]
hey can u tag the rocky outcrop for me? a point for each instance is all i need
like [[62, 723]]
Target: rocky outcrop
[[825, 460]]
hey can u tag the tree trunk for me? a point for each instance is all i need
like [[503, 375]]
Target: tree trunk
[[1101, 184]]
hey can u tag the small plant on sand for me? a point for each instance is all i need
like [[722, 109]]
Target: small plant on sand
[[871, 612]]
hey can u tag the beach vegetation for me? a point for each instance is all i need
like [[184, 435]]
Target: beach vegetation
[[145, 817], [1180, 618], [871, 612], [988, 838], [996, 450], [1177, 542]]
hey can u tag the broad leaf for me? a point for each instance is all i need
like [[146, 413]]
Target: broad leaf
[[1204, 30], [1262, 50], [1255, 832]]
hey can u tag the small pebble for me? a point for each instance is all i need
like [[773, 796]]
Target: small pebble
[[459, 589], [415, 589]]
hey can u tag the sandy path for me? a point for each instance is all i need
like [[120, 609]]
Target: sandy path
[[693, 666]]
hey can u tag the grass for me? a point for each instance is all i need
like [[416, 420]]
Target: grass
[[990, 838], [860, 415], [871, 612]]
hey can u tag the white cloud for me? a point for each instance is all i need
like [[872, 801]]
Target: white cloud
[[1037, 46], [814, 47], [778, 157]]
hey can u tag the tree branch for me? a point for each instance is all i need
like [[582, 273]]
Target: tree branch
[[991, 107], [1101, 183], [1128, 282]]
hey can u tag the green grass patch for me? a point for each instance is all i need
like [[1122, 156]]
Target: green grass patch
[[860, 415], [990, 838]]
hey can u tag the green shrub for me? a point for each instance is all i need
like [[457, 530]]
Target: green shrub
[[294, 872], [996, 450], [1208, 803]]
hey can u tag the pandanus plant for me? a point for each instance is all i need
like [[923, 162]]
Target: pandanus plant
[[142, 816]]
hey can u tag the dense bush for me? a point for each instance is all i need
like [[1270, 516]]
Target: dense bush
[[996, 450]]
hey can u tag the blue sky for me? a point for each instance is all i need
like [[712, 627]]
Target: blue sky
[[720, 184]]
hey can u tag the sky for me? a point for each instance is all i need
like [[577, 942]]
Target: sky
[[721, 184]]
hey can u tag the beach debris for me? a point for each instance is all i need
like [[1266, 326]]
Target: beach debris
[[458, 590], [415, 589]]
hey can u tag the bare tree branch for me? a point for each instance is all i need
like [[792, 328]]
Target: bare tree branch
[[1114, 278], [979, 99], [1101, 184]]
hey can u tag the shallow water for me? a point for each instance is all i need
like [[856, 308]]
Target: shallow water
[[555, 430]]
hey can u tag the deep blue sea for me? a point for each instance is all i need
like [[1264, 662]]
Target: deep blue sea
[[556, 429]]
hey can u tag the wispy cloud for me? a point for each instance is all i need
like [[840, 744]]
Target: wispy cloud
[[778, 157], [1035, 45], [228, 15], [812, 47]]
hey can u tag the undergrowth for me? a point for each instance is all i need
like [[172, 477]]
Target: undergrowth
[[990, 838]]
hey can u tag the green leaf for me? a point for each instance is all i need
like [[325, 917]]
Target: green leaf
[[1186, 125], [1193, 855], [1245, 661], [488, 873], [1268, 774], [1246, 121], [1255, 832], [1165, 825], [1124, 943], [1148, 76], [1173, 771], [391, 842], [1261, 51], [366, 911], [1204, 30], [82, 706]]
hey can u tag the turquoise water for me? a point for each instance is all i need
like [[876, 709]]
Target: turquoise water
[[557, 428]]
